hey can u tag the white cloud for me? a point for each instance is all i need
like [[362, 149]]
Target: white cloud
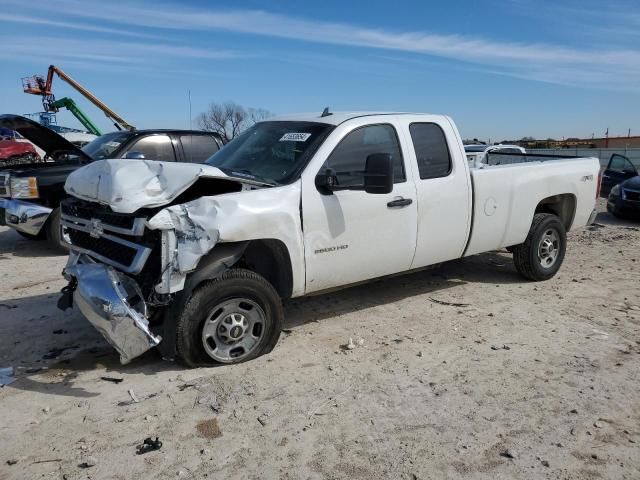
[[610, 68], [7, 17]]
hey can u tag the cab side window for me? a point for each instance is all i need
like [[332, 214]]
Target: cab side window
[[154, 147], [350, 156], [432, 151]]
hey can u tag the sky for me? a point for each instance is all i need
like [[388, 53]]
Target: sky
[[502, 69]]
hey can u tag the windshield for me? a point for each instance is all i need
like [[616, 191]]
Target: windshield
[[103, 146], [273, 152], [475, 148]]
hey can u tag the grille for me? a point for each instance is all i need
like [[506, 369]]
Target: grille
[[116, 239], [114, 251], [632, 195], [82, 210], [4, 185]]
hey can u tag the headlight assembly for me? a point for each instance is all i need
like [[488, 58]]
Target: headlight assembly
[[26, 187]]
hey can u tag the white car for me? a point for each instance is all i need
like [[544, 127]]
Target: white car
[[477, 154], [196, 259]]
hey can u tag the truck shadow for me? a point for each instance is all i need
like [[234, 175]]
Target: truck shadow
[[605, 218], [12, 243], [50, 349], [493, 267]]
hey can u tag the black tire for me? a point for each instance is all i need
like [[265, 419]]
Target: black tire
[[526, 256], [234, 284], [613, 211], [40, 236], [52, 229]]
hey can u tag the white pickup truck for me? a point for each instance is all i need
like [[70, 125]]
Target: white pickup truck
[[196, 259]]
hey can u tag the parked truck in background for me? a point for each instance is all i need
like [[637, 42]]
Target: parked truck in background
[[196, 259], [30, 192]]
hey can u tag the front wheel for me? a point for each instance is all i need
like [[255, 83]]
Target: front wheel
[[231, 319], [541, 254], [53, 233]]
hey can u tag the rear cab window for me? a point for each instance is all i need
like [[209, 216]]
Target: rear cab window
[[198, 148], [432, 151]]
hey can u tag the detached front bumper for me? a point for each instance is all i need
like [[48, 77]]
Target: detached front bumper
[[24, 216], [113, 304]]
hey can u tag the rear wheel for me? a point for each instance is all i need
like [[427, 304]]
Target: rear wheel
[[542, 253], [232, 319]]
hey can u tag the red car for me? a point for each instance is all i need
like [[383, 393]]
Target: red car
[[13, 151]]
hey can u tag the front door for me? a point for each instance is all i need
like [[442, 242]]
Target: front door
[[351, 235], [618, 170]]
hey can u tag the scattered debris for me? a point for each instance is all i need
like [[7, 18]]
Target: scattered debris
[[503, 347], [12, 461], [263, 420], [56, 352], [360, 341], [420, 354], [7, 376], [112, 379], [350, 345], [209, 428], [508, 454], [148, 445], [544, 463], [132, 394], [46, 409], [184, 386], [88, 463], [450, 304], [47, 461]]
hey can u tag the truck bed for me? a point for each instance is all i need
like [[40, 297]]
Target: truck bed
[[505, 197]]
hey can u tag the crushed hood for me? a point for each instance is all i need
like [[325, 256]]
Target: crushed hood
[[128, 185], [40, 136]]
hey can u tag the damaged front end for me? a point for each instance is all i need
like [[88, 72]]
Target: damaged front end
[[113, 303], [142, 236]]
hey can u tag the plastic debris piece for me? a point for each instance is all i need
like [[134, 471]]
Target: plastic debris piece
[[7, 376]]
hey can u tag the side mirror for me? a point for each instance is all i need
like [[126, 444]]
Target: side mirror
[[133, 155], [378, 174], [326, 181]]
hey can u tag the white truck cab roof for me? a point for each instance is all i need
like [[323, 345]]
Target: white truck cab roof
[[336, 118]]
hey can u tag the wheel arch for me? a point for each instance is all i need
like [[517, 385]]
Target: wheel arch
[[268, 258], [562, 205]]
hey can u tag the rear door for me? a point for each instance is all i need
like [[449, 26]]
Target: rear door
[[351, 235], [443, 190], [618, 170]]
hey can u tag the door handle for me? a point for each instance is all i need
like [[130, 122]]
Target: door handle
[[401, 202]]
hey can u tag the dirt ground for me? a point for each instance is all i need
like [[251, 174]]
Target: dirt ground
[[521, 380]]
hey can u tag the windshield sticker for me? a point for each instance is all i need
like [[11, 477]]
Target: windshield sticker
[[112, 144], [295, 137]]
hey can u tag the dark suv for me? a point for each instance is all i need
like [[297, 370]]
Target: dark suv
[[30, 193]]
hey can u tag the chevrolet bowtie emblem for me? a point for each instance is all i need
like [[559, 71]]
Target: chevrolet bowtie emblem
[[95, 228]]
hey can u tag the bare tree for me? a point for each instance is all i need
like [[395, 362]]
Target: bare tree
[[230, 119]]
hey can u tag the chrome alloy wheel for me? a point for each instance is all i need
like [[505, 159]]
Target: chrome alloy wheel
[[233, 329], [548, 248]]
